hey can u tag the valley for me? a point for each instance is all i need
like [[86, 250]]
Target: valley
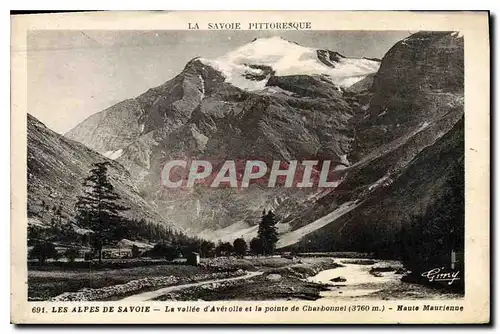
[[390, 132], [271, 278]]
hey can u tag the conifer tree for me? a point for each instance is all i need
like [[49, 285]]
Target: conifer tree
[[98, 209], [268, 233]]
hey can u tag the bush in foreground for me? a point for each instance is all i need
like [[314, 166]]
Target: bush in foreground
[[44, 251], [164, 250], [71, 254], [224, 249], [240, 246]]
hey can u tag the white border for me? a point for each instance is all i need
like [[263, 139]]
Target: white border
[[146, 4]]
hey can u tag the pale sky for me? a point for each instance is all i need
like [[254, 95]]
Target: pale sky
[[74, 74]]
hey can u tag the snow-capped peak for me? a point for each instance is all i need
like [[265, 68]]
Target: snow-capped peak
[[113, 155], [251, 65]]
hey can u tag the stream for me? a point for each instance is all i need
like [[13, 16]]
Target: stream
[[355, 280]]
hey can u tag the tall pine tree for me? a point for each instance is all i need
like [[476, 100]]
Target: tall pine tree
[[268, 233], [98, 209]]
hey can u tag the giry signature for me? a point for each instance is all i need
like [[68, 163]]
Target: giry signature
[[440, 275]]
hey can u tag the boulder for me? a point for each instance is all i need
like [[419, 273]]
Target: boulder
[[338, 279], [273, 277]]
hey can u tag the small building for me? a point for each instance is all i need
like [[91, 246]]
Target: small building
[[193, 259]]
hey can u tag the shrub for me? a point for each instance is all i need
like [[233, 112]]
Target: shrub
[[207, 249], [224, 248], [256, 246], [71, 254], [165, 250], [43, 251], [240, 246], [136, 252]]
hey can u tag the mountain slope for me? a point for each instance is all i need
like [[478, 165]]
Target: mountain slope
[[408, 112], [57, 167], [374, 224]]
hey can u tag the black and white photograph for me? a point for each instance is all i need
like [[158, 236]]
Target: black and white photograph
[[265, 163], [383, 109]]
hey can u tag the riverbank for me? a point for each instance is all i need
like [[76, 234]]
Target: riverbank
[[287, 282], [231, 278], [47, 282], [374, 279], [317, 278], [113, 280]]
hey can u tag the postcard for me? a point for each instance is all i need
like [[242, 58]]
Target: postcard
[[251, 167]]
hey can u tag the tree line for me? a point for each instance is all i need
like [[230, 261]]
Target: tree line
[[98, 210], [263, 244]]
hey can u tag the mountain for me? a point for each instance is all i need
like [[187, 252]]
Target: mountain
[[272, 99], [408, 138], [293, 110], [57, 167], [373, 222], [218, 88]]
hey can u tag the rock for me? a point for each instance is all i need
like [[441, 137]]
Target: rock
[[400, 271], [338, 279], [383, 269], [273, 277]]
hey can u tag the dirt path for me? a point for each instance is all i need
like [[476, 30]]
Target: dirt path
[[144, 296]]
